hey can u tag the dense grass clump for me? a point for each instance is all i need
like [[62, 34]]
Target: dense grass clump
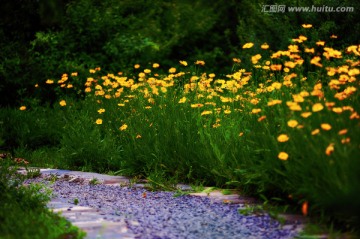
[[23, 211], [287, 128]]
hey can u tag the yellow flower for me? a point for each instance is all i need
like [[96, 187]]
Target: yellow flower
[[320, 43], [241, 134], [22, 108], [206, 112], [274, 102], [99, 121], [255, 111], [62, 103], [255, 59], [330, 149], [49, 82], [141, 75], [147, 71], [337, 110], [316, 61], [138, 136], [136, 66], [202, 63], [211, 75], [283, 156], [100, 111], [282, 138], [295, 107], [248, 45], [306, 25], [261, 118], [264, 46], [155, 65], [315, 131], [123, 127], [227, 112], [292, 123], [184, 63], [198, 105], [74, 74], [317, 107], [310, 50], [182, 100], [92, 71], [343, 131], [305, 114], [325, 126], [172, 70]]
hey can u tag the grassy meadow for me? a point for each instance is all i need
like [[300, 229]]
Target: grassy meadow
[[282, 125]]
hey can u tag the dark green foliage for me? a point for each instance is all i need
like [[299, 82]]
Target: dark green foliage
[[44, 39]]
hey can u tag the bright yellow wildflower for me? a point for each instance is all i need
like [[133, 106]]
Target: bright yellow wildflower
[[182, 100], [292, 123], [317, 107], [49, 82], [310, 50], [316, 61], [248, 45], [123, 127], [255, 111], [283, 156], [98, 121], [306, 25], [227, 112], [264, 46], [198, 105], [337, 110], [343, 131], [305, 114], [275, 67], [22, 107], [320, 43], [138, 136], [255, 59], [206, 112], [172, 70], [62, 103], [330, 149], [315, 131], [100, 111], [92, 71], [282, 138], [184, 63], [295, 107], [202, 63], [136, 66], [155, 65], [274, 102], [212, 75], [326, 126], [147, 71], [261, 118]]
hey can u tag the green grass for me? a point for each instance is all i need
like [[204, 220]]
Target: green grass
[[23, 211]]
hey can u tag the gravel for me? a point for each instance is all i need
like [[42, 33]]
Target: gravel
[[151, 215]]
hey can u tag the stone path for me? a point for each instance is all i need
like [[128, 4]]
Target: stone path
[[98, 225]]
